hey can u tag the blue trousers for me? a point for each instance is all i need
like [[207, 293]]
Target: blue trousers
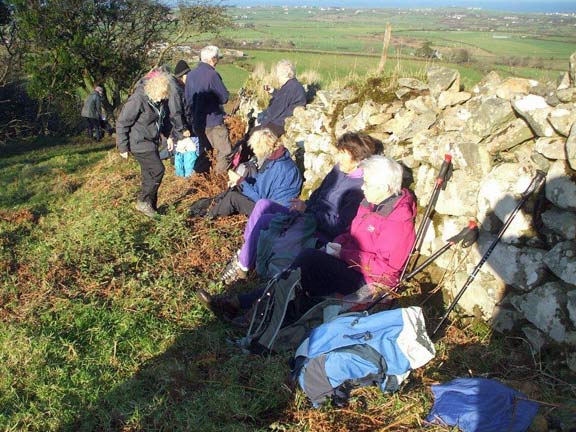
[[184, 163]]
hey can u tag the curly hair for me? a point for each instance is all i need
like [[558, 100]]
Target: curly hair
[[157, 87], [264, 142]]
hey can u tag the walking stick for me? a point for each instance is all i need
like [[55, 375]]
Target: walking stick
[[534, 185], [440, 183], [467, 236]]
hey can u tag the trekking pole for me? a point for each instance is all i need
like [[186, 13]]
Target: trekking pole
[[443, 176], [467, 236], [534, 185]]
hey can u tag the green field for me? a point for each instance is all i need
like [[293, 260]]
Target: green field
[[337, 43]]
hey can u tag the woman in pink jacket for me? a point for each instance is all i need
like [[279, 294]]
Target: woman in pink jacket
[[378, 243]]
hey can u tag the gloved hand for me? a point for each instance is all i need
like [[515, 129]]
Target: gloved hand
[[124, 155]]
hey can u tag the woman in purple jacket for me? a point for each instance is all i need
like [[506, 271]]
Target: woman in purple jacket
[[377, 246]]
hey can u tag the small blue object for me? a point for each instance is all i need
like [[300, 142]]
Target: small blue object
[[481, 405], [184, 163]]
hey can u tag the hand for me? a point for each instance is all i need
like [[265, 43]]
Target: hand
[[186, 133], [124, 155], [333, 249], [170, 143], [297, 205], [233, 178]]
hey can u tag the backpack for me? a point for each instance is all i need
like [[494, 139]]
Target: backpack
[[357, 350], [276, 308], [279, 244]]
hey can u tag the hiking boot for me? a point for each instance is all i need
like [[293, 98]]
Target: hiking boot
[[229, 307], [233, 271], [146, 208]]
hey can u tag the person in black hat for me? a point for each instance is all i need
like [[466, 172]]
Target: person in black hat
[[181, 70]]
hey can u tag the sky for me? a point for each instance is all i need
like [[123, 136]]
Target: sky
[[508, 5]]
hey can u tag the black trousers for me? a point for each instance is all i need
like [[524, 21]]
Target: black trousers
[[323, 274], [151, 171], [230, 203], [93, 127]]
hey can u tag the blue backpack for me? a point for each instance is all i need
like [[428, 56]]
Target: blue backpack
[[357, 350]]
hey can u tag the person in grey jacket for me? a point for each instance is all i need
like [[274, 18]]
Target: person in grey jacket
[[205, 95], [138, 131], [92, 112]]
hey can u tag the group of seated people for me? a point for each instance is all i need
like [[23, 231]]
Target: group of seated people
[[362, 220]]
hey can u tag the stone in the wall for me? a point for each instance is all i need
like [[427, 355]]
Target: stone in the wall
[[535, 111], [490, 114], [412, 83], [503, 319], [488, 83], [513, 134], [571, 147], [551, 147], [441, 79], [543, 308], [460, 196], [572, 69], [566, 95], [407, 123], [499, 194], [536, 338], [355, 117], [483, 293], [512, 86], [561, 222], [571, 306], [379, 118], [454, 118], [563, 81], [562, 118], [522, 268], [448, 98], [561, 260], [430, 147], [560, 188], [422, 105]]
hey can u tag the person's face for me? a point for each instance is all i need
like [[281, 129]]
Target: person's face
[[345, 161], [374, 192]]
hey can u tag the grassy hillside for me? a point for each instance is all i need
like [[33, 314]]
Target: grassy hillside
[[101, 329]]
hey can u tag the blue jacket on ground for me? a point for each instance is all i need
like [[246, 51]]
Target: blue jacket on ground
[[335, 202], [205, 94], [283, 102], [278, 180]]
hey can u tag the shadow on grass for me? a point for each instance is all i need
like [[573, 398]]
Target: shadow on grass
[[200, 383]]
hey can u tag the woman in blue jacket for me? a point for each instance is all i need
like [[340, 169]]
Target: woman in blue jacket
[[277, 178]]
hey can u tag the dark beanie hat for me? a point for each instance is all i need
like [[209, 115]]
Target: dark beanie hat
[[181, 68]]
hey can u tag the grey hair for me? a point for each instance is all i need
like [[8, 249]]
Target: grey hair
[[285, 70], [208, 53], [383, 171]]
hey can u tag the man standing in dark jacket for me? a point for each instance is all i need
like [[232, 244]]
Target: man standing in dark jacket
[[290, 95], [205, 96], [92, 112], [138, 132]]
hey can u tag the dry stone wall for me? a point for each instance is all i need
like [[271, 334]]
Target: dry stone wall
[[499, 133]]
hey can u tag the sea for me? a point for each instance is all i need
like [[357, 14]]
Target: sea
[[520, 6]]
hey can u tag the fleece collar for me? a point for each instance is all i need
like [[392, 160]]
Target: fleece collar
[[385, 207]]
